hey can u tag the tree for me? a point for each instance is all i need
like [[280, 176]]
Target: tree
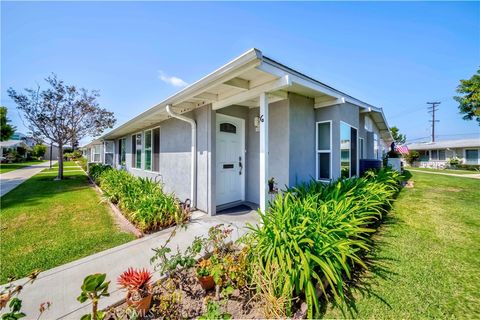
[[39, 150], [6, 129], [397, 136], [62, 113], [469, 101]]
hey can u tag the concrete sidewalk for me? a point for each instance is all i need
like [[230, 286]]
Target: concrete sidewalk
[[466, 175], [10, 180], [61, 285]]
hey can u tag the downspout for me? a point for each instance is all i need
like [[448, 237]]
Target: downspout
[[193, 169]]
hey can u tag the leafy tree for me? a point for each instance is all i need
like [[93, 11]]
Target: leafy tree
[[62, 113], [411, 157], [469, 99], [397, 136], [6, 129], [39, 150]]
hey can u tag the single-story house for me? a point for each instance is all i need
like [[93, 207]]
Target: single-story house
[[13, 145], [219, 140], [438, 153]]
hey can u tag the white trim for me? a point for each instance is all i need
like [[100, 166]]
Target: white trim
[[144, 150], [141, 151], [317, 151], [264, 151], [362, 149], [273, 85], [243, 143], [329, 103]]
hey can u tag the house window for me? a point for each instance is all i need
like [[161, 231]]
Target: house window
[[156, 150], [137, 151], [324, 150], [362, 141], [122, 151], [148, 149], [375, 146], [348, 150], [109, 152], [434, 154], [228, 127], [96, 153], [424, 155], [471, 156], [441, 155]]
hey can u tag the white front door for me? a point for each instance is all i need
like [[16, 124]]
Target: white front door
[[230, 159]]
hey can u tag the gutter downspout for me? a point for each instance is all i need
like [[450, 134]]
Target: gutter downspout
[[193, 187]]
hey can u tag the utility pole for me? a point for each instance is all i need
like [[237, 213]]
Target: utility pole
[[432, 108]]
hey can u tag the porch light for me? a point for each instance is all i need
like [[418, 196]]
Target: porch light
[[256, 123]]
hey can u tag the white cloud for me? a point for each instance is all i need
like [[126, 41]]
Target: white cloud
[[171, 80]]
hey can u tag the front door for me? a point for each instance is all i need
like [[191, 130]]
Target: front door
[[230, 159]]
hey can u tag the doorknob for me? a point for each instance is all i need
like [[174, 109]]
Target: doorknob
[[240, 165]]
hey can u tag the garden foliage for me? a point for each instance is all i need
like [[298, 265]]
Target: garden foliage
[[315, 234], [142, 200]]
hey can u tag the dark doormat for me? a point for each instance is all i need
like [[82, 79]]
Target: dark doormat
[[237, 210]]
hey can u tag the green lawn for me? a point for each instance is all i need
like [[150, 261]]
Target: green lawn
[[67, 164], [46, 223], [447, 170], [427, 254], [6, 167]]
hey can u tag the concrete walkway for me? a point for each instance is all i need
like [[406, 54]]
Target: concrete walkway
[[10, 180], [61, 285], [467, 175]]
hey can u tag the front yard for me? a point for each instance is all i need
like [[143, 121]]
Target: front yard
[[6, 167], [455, 171], [427, 254], [46, 223]]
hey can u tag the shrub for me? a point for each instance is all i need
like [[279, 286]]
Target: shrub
[[39, 150], [411, 157], [142, 200], [83, 163], [316, 233], [473, 167]]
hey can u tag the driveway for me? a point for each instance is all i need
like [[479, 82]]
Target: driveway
[[61, 285], [12, 179]]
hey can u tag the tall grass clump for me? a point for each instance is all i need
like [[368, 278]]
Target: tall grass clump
[[317, 233], [142, 200]]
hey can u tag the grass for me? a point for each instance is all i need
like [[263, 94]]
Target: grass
[[456, 171], [6, 167], [427, 254], [46, 223], [67, 163]]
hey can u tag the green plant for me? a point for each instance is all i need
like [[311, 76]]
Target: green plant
[[316, 233], [94, 288], [411, 156], [137, 282], [454, 162], [9, 294], [214, 312], [39, 150]]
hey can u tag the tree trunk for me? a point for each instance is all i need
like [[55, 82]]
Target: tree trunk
[[60, 162]]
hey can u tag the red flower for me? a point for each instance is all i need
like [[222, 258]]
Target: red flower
[[135, 280]]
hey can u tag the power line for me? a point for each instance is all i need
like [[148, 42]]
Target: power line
[[432, 109]]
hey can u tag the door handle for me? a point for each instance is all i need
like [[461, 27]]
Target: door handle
[[240, 165]]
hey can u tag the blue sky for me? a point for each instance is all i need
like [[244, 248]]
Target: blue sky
[[394, 55]]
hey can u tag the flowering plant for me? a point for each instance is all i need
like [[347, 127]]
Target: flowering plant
[[136, 281]]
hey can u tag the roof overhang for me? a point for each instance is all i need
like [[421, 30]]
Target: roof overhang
[[240, 82]]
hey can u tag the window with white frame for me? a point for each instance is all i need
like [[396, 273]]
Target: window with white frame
[[137, 151], [442, 155], [96, 153], [471, 156], [109, 152], [375, 146], [147, 149], [324, 150], [433, 154], [122, 151]]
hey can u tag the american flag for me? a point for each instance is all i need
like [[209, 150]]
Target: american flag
[[402, 149]]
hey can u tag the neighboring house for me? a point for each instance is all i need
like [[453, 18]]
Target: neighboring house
[[13, 145], [219, 140], [437, 154]]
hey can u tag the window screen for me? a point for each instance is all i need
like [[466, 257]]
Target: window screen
[[156, 150]]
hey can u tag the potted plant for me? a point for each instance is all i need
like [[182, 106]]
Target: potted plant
[[271, 184], [204, 276], [139, 288]]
